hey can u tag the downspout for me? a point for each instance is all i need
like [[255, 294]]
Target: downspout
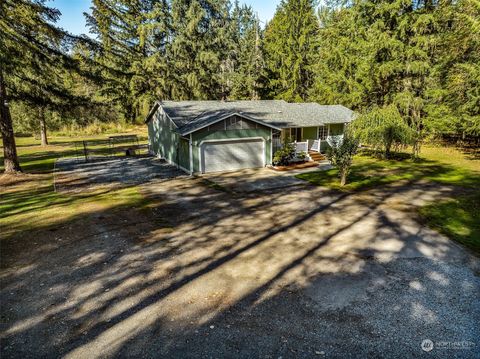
[[190, 154], [177, 154], [271, 146]]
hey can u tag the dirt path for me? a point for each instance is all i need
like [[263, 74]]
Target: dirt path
[[299, 272]]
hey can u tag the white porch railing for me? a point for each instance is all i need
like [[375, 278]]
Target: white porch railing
[[301, 146], [315, 145]]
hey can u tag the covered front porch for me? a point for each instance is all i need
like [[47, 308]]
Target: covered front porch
[[308, 139]]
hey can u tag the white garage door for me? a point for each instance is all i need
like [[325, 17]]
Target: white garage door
[[232, 155]]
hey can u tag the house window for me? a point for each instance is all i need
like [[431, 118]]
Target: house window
[[239, 123], [296, 134], [234, 123], [322, 132]]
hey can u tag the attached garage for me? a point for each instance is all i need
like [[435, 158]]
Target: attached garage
[[229, 155]]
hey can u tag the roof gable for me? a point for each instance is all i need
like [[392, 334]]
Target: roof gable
[[209, 119]]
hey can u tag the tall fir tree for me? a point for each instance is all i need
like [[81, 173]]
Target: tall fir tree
[[246, 79], [290, 46], [117, 27], [455, 106], [339, 60], [380, 53], [199, 48], [150, 72], [33, 59]]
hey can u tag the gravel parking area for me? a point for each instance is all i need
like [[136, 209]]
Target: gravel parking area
[[73, 174], [291, 272]]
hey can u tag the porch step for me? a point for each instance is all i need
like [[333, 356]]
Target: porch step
[[317, 157]]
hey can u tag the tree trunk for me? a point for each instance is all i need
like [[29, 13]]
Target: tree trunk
[[343, 177], [43, 127], [388, 151], [10, 157], [416, 149], [418, 134]]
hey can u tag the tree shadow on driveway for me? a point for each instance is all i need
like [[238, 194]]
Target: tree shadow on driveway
[[288, 272]]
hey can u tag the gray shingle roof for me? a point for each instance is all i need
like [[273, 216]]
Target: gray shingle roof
[[189, 116]]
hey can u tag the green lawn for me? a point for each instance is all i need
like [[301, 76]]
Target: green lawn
[[29, 202], [459, 218], [368, 172]]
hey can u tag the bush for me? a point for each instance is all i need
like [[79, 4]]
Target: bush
[[301, 155], [285, 155]]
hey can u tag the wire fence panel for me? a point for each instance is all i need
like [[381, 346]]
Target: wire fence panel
[[126, 145]]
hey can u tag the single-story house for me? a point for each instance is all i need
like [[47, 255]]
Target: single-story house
[[212, 136]]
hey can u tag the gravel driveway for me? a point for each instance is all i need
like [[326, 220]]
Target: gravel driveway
[[260, 179], [282, 273]]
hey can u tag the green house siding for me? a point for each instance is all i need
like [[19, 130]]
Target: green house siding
[[323, 146], [152, 138], [310, 133], [206, 135], [166, 143], [336, 129], [184, 154]]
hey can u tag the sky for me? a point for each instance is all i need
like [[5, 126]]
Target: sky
[[73, 21]]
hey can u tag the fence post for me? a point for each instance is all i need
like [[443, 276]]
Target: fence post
[[111, 145], [85, 150]]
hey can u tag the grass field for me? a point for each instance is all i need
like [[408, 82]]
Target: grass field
[[458, 218], [29, 201]]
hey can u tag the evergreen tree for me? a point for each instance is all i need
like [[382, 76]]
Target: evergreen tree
[[339, 62], [33, 59], [117, 26], [245, 58], [198, 48], [290, 46], [150, 73], [455, 92], [375, 53]]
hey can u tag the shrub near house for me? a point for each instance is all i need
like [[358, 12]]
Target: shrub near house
[[341, 152], [285, 155]]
